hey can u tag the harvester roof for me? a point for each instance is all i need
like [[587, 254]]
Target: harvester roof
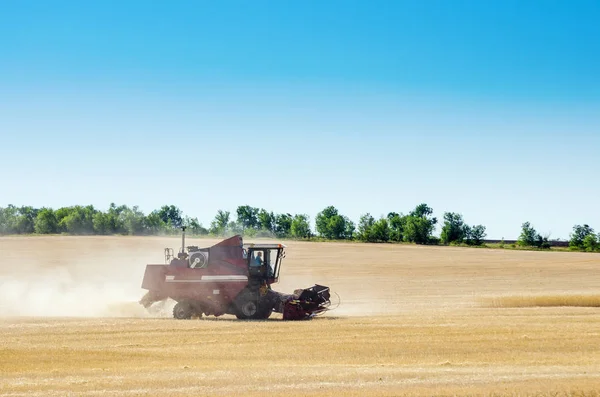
[[268, 246]]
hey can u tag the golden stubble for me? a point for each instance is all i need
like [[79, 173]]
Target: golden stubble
[[411, 322], [544, 301]]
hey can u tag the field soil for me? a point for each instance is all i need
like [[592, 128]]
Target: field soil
[[412, 321]]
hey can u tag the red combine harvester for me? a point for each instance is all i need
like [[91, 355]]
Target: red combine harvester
[[229, 278]]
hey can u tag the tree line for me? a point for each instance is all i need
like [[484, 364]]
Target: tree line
[[417, 226], [87, 220]]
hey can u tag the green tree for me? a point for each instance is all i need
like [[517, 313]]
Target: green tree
[[76, 219], [219, 225], [349, 229], [247, 217], [380, 231], [61, 213], [24, 220], [102, 223], [113, 216], [528, 235], [283, 225], [453, 229], [340, 227], [15, 220], [171, 215], [474, 235], [45, 222], [331, 225], [365, 226], [266, 220], [154, 223], [418, 230], [8, 218], [109, 222], [397, 223], [194, 227], [322, 221], [336, 227], [542, 242], [419, 225], [578, 236], [300, 227], [591, 243], [423, 211], [133, 221]]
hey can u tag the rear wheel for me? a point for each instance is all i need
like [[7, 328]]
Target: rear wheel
[[183, 311]]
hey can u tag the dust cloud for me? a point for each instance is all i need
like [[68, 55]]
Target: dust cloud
[[350, 297], [70, 277], [50, 294]]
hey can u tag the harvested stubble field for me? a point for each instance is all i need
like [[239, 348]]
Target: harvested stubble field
[[412, 321]]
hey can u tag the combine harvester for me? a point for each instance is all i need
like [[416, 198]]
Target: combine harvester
[[229, 278]]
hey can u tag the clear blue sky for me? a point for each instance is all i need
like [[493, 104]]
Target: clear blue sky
[[490, 109]]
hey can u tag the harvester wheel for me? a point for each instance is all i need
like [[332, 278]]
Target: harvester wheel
[[248, 306], [247, 310], [183, 311], [253, 310]]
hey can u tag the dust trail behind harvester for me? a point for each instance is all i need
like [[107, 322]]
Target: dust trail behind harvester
[[75, 276], [45, 294]]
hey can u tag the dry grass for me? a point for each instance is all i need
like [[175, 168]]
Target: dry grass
[[411, 323], [544, 301]]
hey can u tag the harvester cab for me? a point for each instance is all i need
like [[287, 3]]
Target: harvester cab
[[264, 262]]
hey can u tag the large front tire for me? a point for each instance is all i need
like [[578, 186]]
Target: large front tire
[[249, 307]]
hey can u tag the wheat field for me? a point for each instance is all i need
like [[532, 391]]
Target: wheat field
[[412, 321]]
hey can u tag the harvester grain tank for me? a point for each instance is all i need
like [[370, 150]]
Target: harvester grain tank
[[229, 278]]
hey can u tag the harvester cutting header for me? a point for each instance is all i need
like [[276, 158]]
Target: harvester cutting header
[[229, 278]]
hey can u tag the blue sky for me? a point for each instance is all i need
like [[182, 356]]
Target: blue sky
[[490, 109]]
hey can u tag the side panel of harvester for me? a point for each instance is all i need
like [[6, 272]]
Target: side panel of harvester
[[211, 278]]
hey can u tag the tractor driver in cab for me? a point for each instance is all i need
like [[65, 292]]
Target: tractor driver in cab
[[257, 259]]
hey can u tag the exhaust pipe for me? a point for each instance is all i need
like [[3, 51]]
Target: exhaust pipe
[[183, 239], [182, 254]]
